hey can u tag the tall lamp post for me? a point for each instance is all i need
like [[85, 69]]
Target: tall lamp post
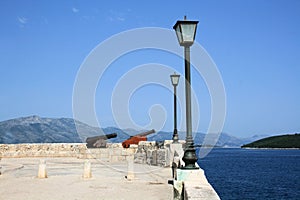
[[186, 32], [175, 80]]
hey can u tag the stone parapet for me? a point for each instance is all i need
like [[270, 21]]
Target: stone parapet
[[153, 153], [113, 153], [191, 184], [195, 185], [42, 150], [158, 154]]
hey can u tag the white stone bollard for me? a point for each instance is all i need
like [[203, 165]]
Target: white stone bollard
[[130, 170], [42, 173], [87, 172]]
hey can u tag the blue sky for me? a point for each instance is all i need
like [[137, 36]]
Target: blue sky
[[254, 43]]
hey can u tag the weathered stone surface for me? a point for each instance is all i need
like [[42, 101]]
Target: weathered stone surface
[[154, 157], [42, 150], [149, 156], [87, 170], [42, 173], [140, 157], [168, 142], [195, 185], [147, 144], [174, 150], [130, 169], [114, 145], [161, 157], [177, 190], [149, 153], [117, 151], [194, 190], [114, 153]]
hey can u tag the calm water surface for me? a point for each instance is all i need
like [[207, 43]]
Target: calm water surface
[[253, 174]]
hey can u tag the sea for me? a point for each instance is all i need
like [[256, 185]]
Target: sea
[[253, 173]]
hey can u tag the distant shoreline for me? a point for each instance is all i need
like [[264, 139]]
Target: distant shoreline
[[288, 141]]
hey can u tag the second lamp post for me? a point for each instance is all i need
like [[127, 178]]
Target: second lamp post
[[175, 80]]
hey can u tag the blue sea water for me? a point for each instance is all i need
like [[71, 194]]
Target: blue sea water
[[253, 173]]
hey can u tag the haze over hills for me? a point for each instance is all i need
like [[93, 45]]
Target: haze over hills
[[35, 129], [224, 140]]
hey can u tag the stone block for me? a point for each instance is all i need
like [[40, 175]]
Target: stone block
[[143, 143], [114, 158], [124, 152], [161, 157], [130, 169], [146, 145], [140, 157], [190, 175], [149, 156], [114, 145], [117, 151], [177, 190], [130, 157], [196, 185], [133, 146], [104, 155], [174, 150], [42, 173], [154, 158], [121, 158], [87, 170], [167, 142], [103, 150]]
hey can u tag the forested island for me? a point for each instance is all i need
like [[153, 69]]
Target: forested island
[[281, 141]]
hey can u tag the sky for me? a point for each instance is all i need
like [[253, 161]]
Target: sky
[[255, 45]]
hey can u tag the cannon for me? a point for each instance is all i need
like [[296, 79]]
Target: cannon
[[99, 141], [137, 138]]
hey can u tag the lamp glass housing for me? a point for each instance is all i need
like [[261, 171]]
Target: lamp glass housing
[[186, 32], [175, 79]]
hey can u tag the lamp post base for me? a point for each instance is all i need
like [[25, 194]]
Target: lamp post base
[[189, 156], [175, 137], [189, 160]]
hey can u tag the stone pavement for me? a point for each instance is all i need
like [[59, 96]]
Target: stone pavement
[[19, 180]]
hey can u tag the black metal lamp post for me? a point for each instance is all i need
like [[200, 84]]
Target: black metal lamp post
[[175, 80], [186, 32]]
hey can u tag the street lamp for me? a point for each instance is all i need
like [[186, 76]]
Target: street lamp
[[186, 31], [175, 80]]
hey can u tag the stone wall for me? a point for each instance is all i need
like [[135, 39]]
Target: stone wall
[[42, 150], [192, 185], [151, 153], [113, 153]]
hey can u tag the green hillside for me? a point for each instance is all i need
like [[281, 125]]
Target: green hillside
[[282, 141]]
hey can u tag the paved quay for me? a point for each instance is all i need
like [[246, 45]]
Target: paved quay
[[65, 180]]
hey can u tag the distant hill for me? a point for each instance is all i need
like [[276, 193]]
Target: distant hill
[[281, 141], [35, 129]]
